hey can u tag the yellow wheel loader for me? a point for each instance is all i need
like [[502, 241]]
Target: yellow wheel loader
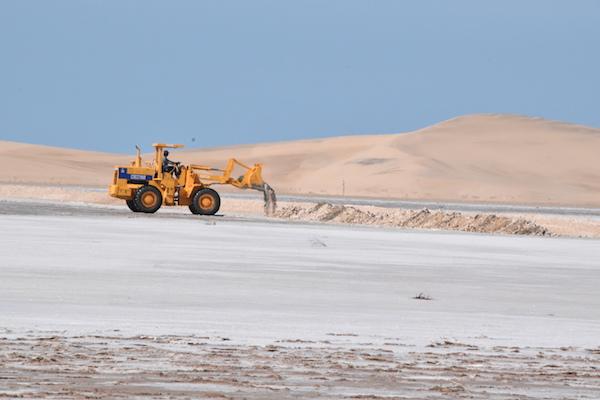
[[145, 188]]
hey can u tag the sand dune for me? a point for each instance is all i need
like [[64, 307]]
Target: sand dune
[[481, 158], [27, 163]]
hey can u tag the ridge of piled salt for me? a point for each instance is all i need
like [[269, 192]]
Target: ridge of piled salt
[[423, 219]]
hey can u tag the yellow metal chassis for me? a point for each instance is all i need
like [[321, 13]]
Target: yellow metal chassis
[[180, 191]]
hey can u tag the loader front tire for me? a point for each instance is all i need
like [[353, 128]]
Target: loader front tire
[[131, 205], [147, 199], [205, 202]]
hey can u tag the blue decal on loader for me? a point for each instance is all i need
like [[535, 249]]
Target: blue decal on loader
[[123, 174]]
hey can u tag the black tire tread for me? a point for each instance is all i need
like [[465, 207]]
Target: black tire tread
[[137, 199], [131, 205], [196, 197]]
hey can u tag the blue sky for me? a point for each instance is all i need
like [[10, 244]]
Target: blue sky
[[105, 75]]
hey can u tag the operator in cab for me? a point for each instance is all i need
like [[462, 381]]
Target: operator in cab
[[169, 166]]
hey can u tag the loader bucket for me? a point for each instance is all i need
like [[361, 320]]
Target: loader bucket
[[252, 177]]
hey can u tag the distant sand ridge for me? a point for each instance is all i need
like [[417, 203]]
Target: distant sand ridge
[[479, 158]]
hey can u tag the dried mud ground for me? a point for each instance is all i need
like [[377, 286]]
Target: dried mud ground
[[98, 367], [99, 303]]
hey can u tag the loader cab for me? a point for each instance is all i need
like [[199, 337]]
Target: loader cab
[[158, 157]]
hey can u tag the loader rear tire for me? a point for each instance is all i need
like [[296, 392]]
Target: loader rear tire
[[131, 205], [205, 202], [147, 199]]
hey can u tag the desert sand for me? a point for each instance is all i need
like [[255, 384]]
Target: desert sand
[[477, 158]]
